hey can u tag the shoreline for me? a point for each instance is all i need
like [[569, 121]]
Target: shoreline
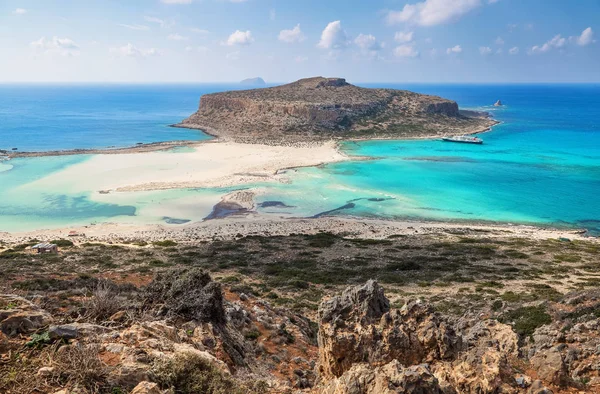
[[167, 145], [251, 224], [140, 148]]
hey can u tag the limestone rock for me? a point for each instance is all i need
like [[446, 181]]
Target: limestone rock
[[391, 378], [76, 330], [146, 388], [550, 366], [483, 366], [358, 327], [23, 316], [45, 372]]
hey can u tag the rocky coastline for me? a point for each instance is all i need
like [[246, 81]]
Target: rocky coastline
[[317, 109]]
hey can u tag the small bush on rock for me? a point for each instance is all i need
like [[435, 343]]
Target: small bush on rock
[[188, 373]]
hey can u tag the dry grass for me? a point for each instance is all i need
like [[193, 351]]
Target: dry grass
[[78, 366], [188, 373], [103, 303]]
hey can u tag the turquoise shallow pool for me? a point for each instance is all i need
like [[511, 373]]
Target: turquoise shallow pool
[[541, 165]]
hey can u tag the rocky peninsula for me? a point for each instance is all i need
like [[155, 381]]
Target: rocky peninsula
[[320, 108]]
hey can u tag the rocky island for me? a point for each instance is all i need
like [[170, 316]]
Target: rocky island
[[320, 108]]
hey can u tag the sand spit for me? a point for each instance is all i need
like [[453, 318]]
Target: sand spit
[[208, 165], [140, 148]]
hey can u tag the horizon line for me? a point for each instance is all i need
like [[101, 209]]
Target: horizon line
[[275, 83]]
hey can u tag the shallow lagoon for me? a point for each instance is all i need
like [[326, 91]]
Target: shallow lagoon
[[542, 165]]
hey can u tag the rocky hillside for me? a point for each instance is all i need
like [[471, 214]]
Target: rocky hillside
[[183, 336], [323, 108], [465, 312]]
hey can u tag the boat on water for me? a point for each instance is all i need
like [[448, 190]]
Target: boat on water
[[465, 139]]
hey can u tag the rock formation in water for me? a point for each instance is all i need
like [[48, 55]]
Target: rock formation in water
[[324, 108], [498, 104]]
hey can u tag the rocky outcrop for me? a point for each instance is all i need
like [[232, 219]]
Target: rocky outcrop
[[21, 316], [322, 108], [366, 347], [358, 327], [391, 378]]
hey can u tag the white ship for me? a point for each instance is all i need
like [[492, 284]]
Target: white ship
[[465, 139]]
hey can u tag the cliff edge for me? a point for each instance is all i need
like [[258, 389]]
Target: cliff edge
[[324, 108]]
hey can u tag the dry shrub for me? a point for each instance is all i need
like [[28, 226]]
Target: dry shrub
[[104, 302], [79, 366], [189, 373], [187, 293]]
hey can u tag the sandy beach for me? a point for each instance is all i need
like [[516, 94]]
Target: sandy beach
[[209, 164], [270, 225]]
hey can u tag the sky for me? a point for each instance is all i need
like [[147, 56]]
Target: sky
[[448, 41]]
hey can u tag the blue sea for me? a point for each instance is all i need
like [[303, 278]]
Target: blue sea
[[541, 165]]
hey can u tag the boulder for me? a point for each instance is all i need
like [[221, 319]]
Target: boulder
[[550, 366], [76, 330], [24, 322], [21, 316]]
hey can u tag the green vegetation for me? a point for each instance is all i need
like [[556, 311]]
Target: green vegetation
[[526, 319], [62, 243], [165, 244]]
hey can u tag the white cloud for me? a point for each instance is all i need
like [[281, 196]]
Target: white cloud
[[20, 11], [134, 27], [161, 22], [454, 49], [402, 37], [406, 50], [291, 36], [499, 41], [513, 50], [176, 1], [559, 42], [239, 37], [333, 37], [556, 42], [177, 37], [484, 50], [130, 50], [62, 46], [586, 37], [368, 42], [432, 12], [300, 59]]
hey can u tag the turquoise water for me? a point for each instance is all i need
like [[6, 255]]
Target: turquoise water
[[540, 166]]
